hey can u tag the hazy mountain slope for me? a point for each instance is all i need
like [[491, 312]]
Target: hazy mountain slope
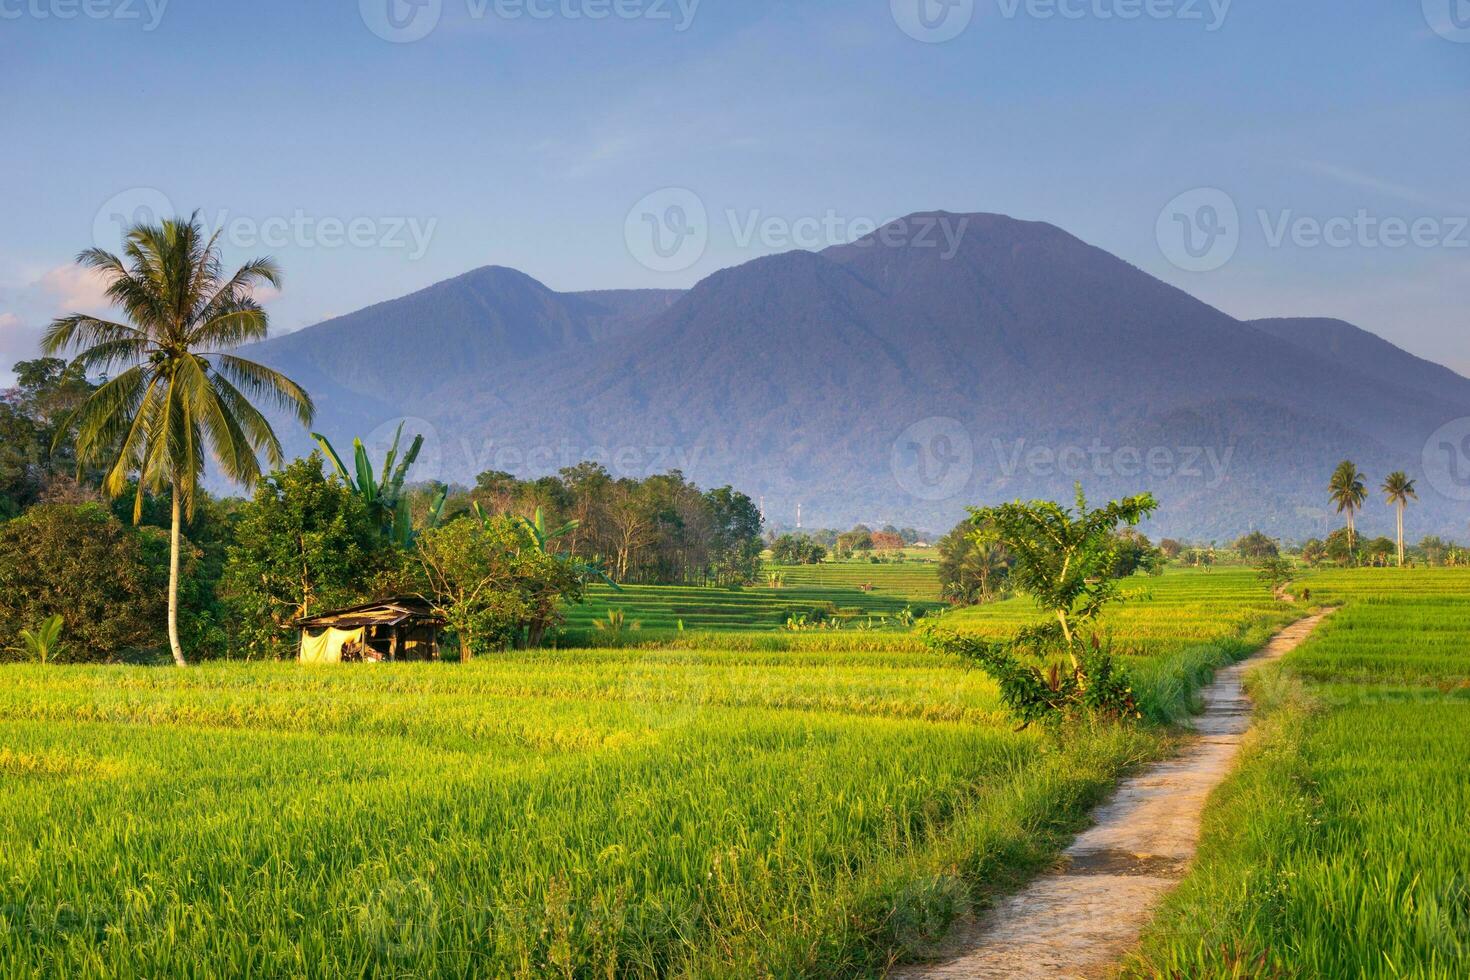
[[877, 381], [1358, 350], [456, 331]]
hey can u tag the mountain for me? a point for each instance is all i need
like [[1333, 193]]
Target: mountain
[[890, 379], [407, 355]]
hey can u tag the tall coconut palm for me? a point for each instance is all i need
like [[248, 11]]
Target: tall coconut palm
[[178, 394], [1347, 491], [1398, 490]]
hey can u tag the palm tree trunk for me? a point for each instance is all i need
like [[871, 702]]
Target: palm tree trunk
[[1401, 535], [173, 583]]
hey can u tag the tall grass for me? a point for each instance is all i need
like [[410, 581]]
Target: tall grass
[[1341, 847]]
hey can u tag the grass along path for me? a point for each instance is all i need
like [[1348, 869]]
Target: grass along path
[[1082, 918], [1340, 846]]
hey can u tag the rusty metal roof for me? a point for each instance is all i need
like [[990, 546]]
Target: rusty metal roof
[[384, 612]]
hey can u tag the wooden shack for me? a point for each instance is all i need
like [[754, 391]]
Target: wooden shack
[[402, 628]]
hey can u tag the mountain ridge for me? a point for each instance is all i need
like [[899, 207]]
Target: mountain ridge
[[799, 376]]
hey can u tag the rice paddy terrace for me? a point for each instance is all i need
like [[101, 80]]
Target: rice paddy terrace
[[844, 594]]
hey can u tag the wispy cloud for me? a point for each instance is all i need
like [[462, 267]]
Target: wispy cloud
[[1378, 185]]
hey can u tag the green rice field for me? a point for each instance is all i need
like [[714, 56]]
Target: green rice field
[[1341, 847], [741, 804], [831, 592]]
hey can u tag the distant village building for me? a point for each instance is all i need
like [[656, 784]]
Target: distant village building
[[402, 628]]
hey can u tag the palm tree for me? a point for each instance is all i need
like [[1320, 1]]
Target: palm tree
[[179, 393], [1398, 490], [1347, 491]]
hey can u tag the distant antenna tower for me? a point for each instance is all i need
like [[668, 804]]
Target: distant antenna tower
[[798, 517]]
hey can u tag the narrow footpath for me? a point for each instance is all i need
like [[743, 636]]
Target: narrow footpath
[[1081, 919]]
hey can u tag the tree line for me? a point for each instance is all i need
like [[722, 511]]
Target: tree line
[[660, 530]]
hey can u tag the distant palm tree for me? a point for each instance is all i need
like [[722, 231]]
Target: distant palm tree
[[1347, 491], [179, 393], [1398, 490]]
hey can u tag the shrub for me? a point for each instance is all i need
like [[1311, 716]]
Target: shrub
[[81, 563]]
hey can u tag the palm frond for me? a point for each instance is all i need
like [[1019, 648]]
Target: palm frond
[[82, 330], [109, 354], [257, 429], [241, 286], [243, 323], [262, 382]]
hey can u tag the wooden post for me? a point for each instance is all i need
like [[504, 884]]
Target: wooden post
[[393, 643]]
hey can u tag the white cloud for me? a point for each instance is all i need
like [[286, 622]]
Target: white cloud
[[265, 293], [18, 342], [75, 289]]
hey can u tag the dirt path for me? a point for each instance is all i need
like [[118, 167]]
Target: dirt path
[[1079, 920]]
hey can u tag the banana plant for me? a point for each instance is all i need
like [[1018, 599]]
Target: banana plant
[[44, 642], [384, 494], [587, 571]]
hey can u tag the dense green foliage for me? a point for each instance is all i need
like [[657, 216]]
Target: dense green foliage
[[304, 544], [797, 549], [658, 530], [102, 577], [972, 568], [494, 583], [36, 445]]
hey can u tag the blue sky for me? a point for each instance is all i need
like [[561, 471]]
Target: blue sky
[[525, 133]]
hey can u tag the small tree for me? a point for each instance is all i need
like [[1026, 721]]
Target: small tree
[[43, 644], [1348, 492], [1255, 546], [1275, 573], [1064, 561], [492, 582], [384, 494]]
